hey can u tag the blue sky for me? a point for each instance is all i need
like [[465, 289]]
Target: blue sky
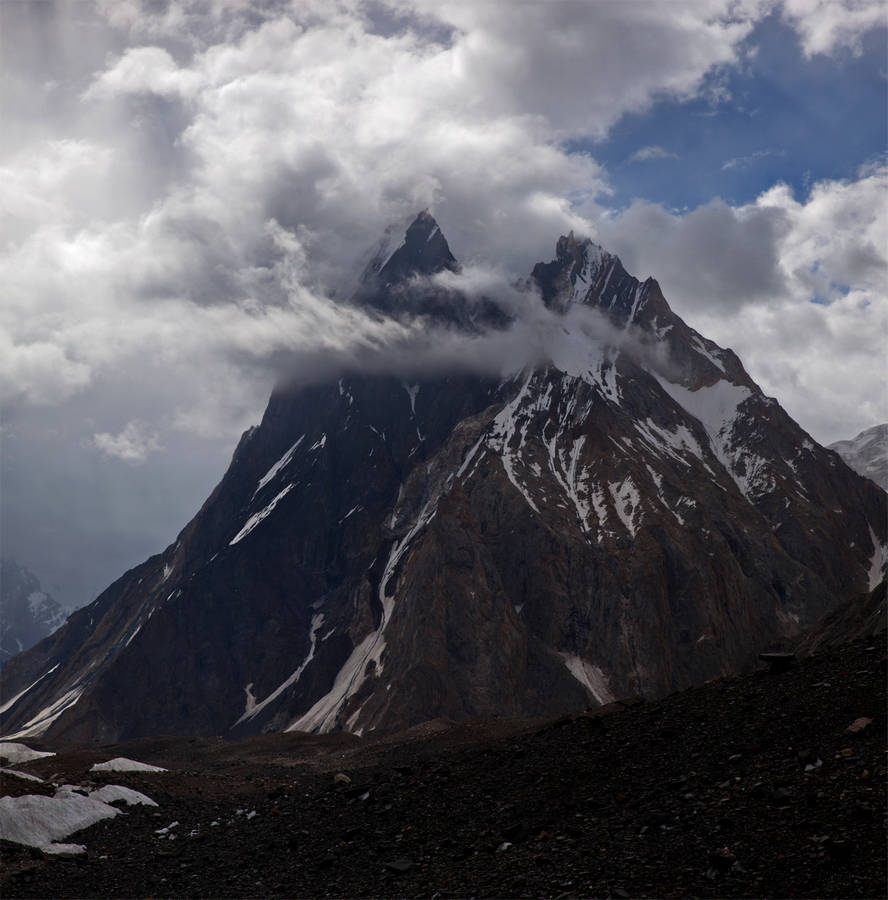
[[784, 117]]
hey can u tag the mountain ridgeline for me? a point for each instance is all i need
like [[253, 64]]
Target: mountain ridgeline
[[633, 517]]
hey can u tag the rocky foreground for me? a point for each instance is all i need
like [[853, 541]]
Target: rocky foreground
[[772, 785]]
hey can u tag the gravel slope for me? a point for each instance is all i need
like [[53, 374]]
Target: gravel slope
[[745, 787]]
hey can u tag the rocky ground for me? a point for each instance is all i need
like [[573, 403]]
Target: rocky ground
[[748, 787]]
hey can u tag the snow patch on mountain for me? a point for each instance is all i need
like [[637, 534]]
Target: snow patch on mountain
[[253, 708], [321, 717], [260, 516], [717, 407], [280, 464], [36, 725], [13, 700], [593, 678], [627, 504], [586, 277], [878, 562]]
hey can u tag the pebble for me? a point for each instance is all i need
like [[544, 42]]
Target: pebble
[[859, 725], [400, 865]]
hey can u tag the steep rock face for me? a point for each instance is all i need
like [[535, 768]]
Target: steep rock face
[[27, 613], [867, 454], [633, 517]]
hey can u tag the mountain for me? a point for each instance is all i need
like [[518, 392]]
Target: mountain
[[27, 613], [867, 454], [631, 517]]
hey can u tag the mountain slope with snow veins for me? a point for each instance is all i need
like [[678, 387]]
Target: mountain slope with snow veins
[[867, 454], [633, 517], [27, 613]]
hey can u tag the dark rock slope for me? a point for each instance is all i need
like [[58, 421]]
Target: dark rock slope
[[748, 787], [633, 517]]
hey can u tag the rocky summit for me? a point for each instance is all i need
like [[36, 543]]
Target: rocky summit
[[629, 517]]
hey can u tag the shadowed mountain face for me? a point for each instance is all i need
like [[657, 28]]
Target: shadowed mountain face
[[631, 518]]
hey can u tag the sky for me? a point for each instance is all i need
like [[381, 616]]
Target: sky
[[188, 189]]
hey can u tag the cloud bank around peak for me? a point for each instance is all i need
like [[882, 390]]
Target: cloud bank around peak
[[797, 287], [221, 167], [188, 188]]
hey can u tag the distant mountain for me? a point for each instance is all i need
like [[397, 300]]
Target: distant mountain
[[867, 454], [632, 516], [27, 613]]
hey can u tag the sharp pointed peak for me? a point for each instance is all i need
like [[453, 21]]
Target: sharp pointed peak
[[417, 247]]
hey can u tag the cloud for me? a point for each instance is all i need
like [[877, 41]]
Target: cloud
[[714, 257], [744, 162], [796, 287], [132, 445], [188, 188], [827, 26], [228, 183], [652, 152]]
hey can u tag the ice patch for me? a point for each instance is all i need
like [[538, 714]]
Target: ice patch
[[386, 261], [627, 503], [19, 753], [507, 460], [569, 480], [638, 302], [25, 776], [503, 429], [129, 640], [350, 513], [322, 714], [13, 700], [37, 821], [319, 444], [700, 347], [321, 717], [412, 391], [675, 444], [39, 723], [283, 461], [253, 708], [592, 260], [878, 561], [596, 495], [122, 764], [465, 463], [112, 793], [717, 407], [593, 678], [256, 518]]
